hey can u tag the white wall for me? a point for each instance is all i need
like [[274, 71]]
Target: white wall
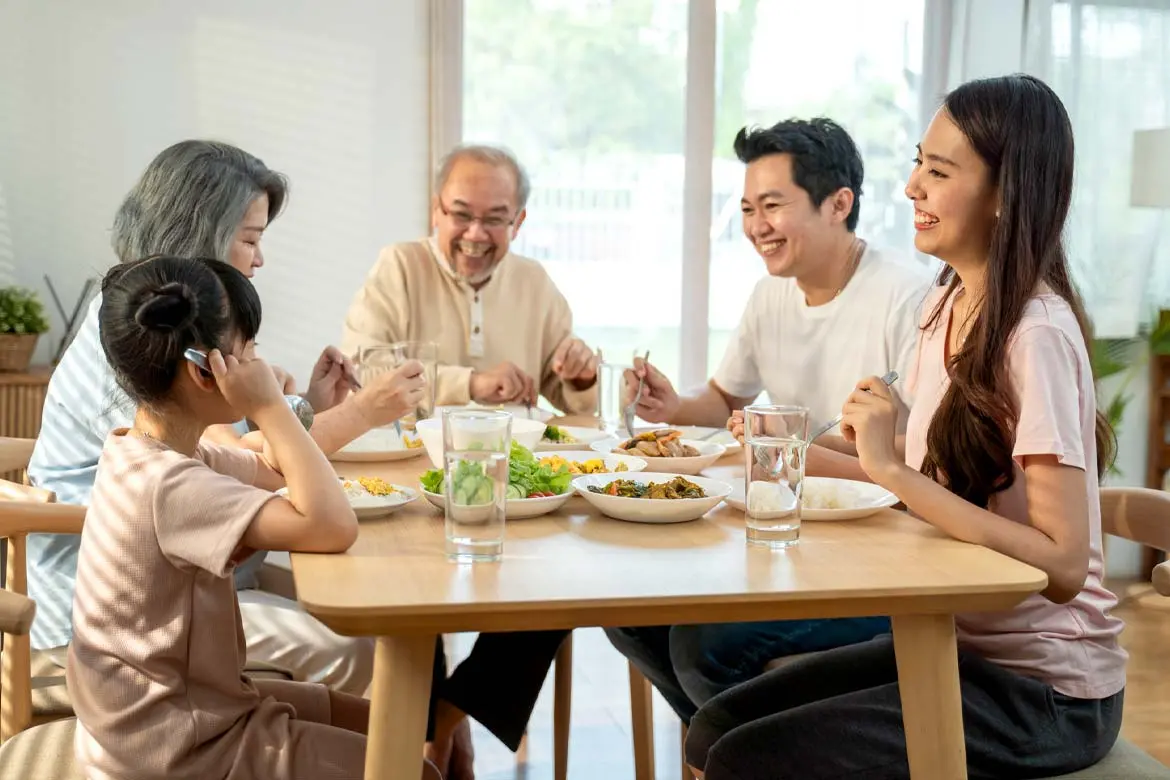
[[335, 95]]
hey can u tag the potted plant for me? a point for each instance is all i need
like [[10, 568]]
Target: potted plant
[[22, 321]]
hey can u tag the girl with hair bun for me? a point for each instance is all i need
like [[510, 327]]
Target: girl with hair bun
[[155, 668]]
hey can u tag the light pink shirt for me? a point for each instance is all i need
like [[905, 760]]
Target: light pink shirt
[[1072, 647]]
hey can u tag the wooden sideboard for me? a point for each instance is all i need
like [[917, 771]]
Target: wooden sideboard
[[22, 398]]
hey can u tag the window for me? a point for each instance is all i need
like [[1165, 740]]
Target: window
[[1110, 64], [868, 82], [590, 97]]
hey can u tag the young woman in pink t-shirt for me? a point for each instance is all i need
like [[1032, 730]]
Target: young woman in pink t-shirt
[[1004, 448]]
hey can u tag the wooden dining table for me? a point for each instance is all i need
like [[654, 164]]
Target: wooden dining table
[[576, 568]]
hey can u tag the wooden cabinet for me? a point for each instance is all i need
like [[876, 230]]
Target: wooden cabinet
[[22, 398]]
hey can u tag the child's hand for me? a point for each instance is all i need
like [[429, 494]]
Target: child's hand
[[248, 384]]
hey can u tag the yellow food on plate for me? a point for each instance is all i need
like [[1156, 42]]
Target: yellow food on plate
[[374, 486], [576, 468], [411, 444]]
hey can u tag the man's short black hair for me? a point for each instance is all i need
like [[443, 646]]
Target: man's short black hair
[[824, 157]]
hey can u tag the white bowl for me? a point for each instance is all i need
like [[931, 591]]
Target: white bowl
[[633, 464], [370, 507], [377, 445], [515, 508], [584, 437], [651, 510], [864, 499], [516, 410], [525, 432], [709, 452]]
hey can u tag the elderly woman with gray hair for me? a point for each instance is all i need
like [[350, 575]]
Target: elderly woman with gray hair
[[211, 200]]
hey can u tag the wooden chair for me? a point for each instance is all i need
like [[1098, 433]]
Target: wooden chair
[[35, 729], [1138, 514]]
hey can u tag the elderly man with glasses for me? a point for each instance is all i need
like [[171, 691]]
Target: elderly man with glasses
[[503, 329]]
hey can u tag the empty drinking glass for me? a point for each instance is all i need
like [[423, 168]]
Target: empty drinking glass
[[376, 360], [775, 443], [475, 482]]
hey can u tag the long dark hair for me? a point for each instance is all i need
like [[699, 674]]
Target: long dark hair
[[1021, 130], [152, 310]]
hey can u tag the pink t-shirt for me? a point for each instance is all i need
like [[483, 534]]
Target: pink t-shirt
[[1072, 647]]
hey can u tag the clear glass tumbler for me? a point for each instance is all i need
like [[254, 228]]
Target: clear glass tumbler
[[775, 444], [373, 361], [475, 482], [611, 392]]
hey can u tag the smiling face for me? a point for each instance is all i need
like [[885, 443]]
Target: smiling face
[[955, 199], [779, 218], [245, 255], [475, 215]]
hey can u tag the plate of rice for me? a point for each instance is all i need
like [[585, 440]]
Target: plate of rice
[[829, 499], [380, 445], [372, 497]]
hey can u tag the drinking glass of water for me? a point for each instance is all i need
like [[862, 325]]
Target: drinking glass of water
[[381, 359], [475, 482], [775, 443], [611, 391]]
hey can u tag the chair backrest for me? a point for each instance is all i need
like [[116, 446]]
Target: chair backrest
[[1141, 515], [23, 510]]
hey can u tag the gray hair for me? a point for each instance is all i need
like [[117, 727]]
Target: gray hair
[[491, 155], [191, 199]]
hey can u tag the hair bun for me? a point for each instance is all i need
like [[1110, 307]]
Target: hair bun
[[170, 307]]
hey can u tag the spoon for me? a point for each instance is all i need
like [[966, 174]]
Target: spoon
[[887, 380]]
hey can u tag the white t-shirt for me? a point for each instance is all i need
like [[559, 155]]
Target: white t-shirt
[[814, 356]]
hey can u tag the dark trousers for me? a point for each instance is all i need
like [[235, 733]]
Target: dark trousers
[[837, 714], [498, 683]]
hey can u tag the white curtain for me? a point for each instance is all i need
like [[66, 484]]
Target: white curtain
[[1110, 63]]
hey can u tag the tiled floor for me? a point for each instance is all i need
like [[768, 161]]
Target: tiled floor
[[600, 742]]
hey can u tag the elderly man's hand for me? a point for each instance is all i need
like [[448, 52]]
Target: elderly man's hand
[[504, 384], [573, 361]]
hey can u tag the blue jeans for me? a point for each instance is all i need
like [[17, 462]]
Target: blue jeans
[[691, 664]]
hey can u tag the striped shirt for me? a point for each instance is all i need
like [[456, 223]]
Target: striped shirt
[[83, 406]]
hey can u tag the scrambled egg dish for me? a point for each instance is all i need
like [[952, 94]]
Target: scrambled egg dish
[[592, 466]]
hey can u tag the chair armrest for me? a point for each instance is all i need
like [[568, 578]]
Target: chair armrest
[[16, 612], [22, 517], [1161, 578], [15, 453]]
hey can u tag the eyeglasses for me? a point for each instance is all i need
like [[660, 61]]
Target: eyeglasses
[[465, 219]]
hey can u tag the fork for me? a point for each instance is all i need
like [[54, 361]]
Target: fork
[[628, 412], [888, 380]]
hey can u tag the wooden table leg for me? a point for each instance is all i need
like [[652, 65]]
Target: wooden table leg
[[932, 711], [398, 707]]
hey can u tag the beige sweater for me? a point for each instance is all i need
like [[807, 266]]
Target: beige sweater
[[412, 294]]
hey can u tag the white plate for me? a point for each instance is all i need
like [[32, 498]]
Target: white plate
[[515, 508], [709, 452], [868, 499], [370, 507], [650, 510], [633, 464], [584, 437], [377, 445]]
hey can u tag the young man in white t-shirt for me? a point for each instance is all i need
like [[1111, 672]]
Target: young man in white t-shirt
[[831, 311]]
